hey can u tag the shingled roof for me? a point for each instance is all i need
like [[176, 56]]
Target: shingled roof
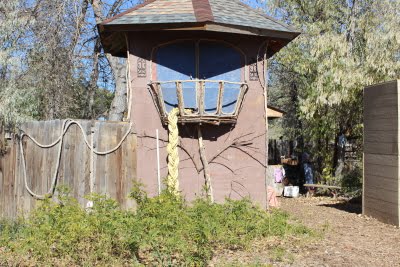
[[229, 15], [230, 12]]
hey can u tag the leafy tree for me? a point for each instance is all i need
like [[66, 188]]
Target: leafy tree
[[52, 64], [345, 46], [13, 102]]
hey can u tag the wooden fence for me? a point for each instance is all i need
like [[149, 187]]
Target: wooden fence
[[80, 170], [381, 185]]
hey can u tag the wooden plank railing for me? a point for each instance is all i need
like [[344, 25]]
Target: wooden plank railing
[[199, 114]]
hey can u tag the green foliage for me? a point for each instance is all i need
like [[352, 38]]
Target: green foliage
[[103, 99], [352, 181], [162, 231], [51, 65], [319, 77], [12, 26], [174, 232], [65, 234]]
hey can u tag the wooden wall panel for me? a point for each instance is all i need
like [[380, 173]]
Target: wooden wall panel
[[385, 160], [374, 209], [381, 148], [381, 187], [383, 111], [389, 194], [113, 173], [382, 206], [381, 182], [381, 170], [380, 124], [378, 136]]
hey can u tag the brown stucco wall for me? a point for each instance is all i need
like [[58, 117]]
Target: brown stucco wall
[[237, 172]]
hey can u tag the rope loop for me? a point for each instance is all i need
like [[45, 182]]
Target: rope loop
[[60, 140]]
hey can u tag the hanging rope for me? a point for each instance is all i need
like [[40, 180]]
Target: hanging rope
[[173, 155], [66, 124]]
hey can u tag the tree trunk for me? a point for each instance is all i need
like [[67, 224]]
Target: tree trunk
[[92, 86], [119, 104], [299, 130], [335, 153]]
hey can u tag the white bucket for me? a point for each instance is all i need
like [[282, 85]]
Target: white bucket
[[291, 191]]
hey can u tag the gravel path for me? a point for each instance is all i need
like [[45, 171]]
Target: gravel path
[[344, 238], [349, 238]]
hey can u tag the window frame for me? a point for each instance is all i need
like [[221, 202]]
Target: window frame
[[154, 64]]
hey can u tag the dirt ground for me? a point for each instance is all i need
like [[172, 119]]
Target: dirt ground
[[344, 238]]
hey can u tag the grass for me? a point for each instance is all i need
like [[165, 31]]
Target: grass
[[163, 231]]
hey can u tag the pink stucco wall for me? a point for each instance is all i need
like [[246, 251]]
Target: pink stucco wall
[[237, 172]]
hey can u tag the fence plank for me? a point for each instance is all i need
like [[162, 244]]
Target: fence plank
[[114, 173]]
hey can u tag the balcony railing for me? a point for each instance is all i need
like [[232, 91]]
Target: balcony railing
[[199, 101]]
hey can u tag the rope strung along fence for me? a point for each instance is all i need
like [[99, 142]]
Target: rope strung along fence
[[173, 155], [66, 124]]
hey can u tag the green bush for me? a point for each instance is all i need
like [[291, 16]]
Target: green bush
[[65, 234], [352, 181], [162, 231]]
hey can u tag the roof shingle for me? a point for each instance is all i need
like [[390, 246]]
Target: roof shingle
[[228, 12]]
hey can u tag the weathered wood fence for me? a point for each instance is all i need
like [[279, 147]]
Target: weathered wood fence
[[81, 170], [381, 185]]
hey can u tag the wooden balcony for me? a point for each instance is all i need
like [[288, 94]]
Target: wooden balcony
[[199, 101]]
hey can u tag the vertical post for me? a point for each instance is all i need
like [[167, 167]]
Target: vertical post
[[158, 163], [89, 205], [201, 97], [160, 98], [239, 101], [265, 69], [220, 97], [91, 186], [179, 94], [206, 168], [128, 80]]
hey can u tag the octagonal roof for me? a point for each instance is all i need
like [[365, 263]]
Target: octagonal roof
[[229, 16]]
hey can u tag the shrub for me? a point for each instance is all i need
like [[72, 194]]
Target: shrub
[[352, 181], [162, 231], [65, 234]]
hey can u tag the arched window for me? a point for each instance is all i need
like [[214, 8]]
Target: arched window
[[222, 63], [200, 63]]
